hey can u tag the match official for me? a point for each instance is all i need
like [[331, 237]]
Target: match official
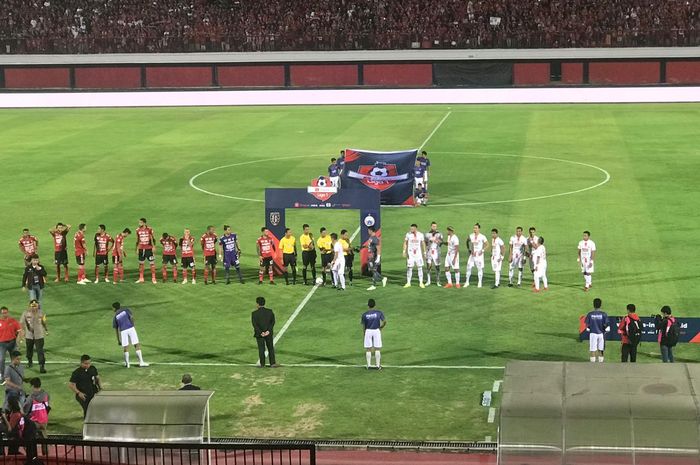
[[308, 254], [288, 245], [263, 320], [373, 322]]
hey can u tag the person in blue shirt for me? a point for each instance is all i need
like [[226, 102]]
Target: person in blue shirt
[[123, 324], [334, 173], [230, 252], [425, 163], [341, 161], [373, 322], [418, 174], [597, 325]]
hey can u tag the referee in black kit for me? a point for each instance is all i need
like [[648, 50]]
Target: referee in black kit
[[263, 325]]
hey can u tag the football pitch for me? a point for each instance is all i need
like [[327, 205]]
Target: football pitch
[[627, 173]]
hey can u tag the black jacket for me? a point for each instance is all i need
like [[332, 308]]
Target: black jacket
[[263, 319], [189, 387], [30, 273]]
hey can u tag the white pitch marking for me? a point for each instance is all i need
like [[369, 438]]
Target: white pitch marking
[[293, 316], [290, 365], [496, 385], [541, 197], [492, 415], [250, 162], [487, 439], [434, 130]]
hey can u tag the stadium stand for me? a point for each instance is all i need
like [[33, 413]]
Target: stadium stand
[[120, 26]]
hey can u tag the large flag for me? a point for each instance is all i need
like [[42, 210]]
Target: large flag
[[390, 173]]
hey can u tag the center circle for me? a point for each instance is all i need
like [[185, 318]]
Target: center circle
[[606, 178]]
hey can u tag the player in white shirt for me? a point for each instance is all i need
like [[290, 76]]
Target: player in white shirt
[[532, 241], [477, 244], [516, 255], [433, 242], [539, 258], [586, 256], [498, 251], [414, 251], [338, 263], [452, 258]]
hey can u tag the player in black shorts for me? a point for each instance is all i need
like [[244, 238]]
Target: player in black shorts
[[350, 257]]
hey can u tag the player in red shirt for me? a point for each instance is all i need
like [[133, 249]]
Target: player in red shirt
[[28, 245], [145, 241], [208, 242], [266, 253], [118, 254], [103, 244], [169, 244], [60, 248], [80, 252], [187, 256]]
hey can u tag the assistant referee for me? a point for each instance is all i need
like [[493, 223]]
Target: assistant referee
[[308, 254], [288, 245]]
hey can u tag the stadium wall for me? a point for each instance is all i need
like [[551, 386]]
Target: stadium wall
[[369, 69]]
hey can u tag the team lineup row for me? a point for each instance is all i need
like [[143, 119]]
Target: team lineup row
[[419, 250]]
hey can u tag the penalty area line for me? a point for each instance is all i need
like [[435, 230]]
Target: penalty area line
[[288, 365]]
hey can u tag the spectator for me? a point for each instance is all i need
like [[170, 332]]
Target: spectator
[[630, 329], [85, 383], [187, 383], [10, 330], [33, 323], [12, 423], [667, 328], [34, 279]]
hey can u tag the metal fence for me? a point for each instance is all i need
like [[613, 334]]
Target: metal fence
[[78, 452]]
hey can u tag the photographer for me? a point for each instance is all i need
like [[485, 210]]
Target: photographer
[[14, 379], [668, 331], [630, 330]]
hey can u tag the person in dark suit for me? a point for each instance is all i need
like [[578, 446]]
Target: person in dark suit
[[263, 324], [187, 383]]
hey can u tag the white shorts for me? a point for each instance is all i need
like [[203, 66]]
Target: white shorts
[[596, 342], [452, 261], [433, 257], [517, 262], [338, 266], [334, 180], [373, 338], [414, 260], [477, 261], [587, 267], [129, 335], [541, 270], [419, 181], [496, 264]]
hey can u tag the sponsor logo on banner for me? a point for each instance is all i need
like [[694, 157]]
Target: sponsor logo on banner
[[321, 188], [369, 221], [380, 176], [275, 218]]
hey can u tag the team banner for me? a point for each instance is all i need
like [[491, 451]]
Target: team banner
[[390, 173], [690, 329]]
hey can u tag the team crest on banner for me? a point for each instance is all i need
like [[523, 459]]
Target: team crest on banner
[[380, 176], [275, 218], [321, 188], [390, 173]]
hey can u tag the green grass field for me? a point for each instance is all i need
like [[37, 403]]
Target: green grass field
[[114, 166]]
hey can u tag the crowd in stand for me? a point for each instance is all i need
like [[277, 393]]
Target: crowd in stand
[[108, 26]]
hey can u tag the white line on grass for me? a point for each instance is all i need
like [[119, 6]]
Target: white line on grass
[[496, 385], [292, 365], [296, 313], [492, 415], [434, 130]]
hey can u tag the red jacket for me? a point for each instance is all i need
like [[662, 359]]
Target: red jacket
[[622, 327]]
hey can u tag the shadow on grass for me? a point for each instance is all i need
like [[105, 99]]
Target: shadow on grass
[[340, 359]]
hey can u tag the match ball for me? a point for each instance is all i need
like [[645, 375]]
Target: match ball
[[319, 281]]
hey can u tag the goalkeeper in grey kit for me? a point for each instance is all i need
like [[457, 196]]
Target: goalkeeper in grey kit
[[374, 251]]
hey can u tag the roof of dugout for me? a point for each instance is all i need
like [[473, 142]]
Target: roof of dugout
[[148, 416], [572, 412]]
